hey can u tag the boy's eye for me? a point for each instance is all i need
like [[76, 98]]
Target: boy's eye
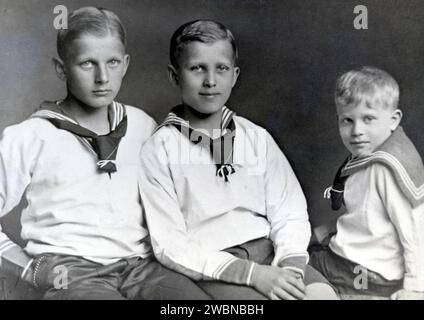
[[114, 62], [223, 68], [86, 64], [196, 68], [345, 121], [368, 119]]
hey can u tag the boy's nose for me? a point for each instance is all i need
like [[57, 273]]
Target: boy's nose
[[102, 75], [210, 80], [357, 129]]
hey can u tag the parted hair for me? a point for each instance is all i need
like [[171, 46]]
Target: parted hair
[[89, 20], [206, 31]]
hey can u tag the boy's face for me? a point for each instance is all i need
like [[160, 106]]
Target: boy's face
[[206, 75], [94, 68], [364, 127]]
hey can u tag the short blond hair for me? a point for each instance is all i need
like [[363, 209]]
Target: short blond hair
[[206, 31], [89, 20], [367, 83]]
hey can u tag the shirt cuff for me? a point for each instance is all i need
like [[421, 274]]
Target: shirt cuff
[[24, 272], [5, 246], [239, 271], [296, 263]]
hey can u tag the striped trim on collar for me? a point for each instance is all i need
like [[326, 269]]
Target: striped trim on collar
[[104, 147], [221, 148], [414, 193], [49, 110], [399, 154], [49, 114], [174, 119], [117, 115]]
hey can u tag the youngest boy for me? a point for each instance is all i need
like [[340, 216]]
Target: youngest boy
[[222, 202], [379, 245]]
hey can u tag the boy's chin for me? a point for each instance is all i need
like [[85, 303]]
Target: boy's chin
[[203, 112], [97, 103]]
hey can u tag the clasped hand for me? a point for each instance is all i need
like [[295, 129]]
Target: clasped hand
[[277, 283]]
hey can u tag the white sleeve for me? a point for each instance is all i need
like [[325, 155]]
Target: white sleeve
[[409, 224], [166, 223], [17, 159], [286, 211]]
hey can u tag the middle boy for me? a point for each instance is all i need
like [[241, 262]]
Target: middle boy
[[222, 203]]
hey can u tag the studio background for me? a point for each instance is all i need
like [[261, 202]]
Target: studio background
[[291, 52]]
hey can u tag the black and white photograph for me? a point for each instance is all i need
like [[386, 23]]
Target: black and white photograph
[[226, 152]]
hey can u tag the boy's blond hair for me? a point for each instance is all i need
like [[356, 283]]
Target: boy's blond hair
[[89, 20], [206, 31], [369, 83]]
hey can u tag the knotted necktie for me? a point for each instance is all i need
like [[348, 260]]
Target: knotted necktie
[[105, 146], [221, 148], [335, 193]]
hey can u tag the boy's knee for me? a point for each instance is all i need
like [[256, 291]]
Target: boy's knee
[[320, 291]]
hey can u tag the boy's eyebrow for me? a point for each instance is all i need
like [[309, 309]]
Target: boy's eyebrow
[[93, 57], [200, 61]]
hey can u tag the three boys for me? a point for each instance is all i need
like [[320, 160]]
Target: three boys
[[217, 216]]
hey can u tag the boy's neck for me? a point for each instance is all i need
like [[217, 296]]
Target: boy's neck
[[209, 122], [94, 119]]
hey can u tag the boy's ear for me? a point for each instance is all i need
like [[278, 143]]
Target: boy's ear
[[173, 75], [126, 64], [236, 75], [396, 118], [59, 67]]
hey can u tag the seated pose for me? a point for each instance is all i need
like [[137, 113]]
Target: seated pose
[[379, 245], [75, 162], [222, 203]]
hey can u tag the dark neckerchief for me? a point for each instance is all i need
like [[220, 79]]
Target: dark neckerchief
[[335, 192], [105, 146], [221, 148], [399, 154]]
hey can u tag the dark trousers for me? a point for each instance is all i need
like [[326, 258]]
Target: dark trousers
[[260, 251], [69, 277], [348, 277]]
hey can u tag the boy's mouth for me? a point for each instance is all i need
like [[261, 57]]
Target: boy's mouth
[[101, 93], [209, 94], [359, 143]]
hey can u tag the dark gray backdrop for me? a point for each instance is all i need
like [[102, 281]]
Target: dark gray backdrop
[[290, 55]]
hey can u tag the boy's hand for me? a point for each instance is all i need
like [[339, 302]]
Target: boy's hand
[[404, 294], [277, 283]]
